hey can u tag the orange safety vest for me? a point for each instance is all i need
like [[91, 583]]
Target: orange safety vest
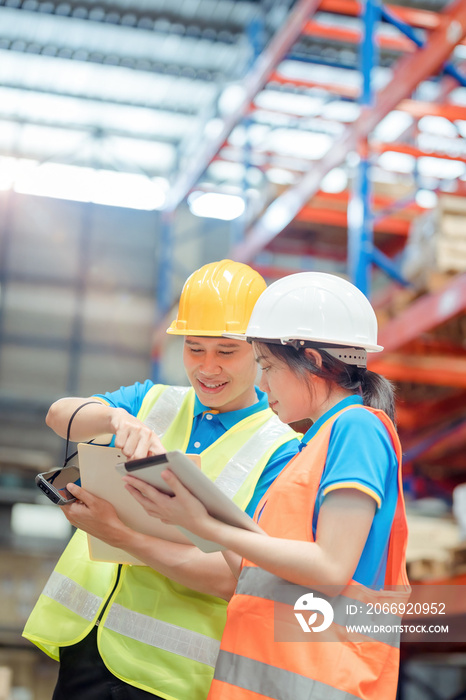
[[265, 653]]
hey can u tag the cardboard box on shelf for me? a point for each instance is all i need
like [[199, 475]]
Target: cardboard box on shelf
[[436, 244]]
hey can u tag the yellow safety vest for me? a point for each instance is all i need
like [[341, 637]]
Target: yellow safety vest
[[154, 633]]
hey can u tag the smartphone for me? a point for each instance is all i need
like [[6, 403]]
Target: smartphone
[[53, 484], [142, 468]]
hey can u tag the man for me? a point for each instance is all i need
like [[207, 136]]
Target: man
[[137, 632]]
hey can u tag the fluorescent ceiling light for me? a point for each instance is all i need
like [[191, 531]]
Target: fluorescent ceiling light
[[257, 134], [441, 168], [71, 111], [392, 126], [289, 103], [216, 206], [223, 170], [428, 91], [437, 125], [397, 162], [71, 182], [128, 190], [301, 144], [322, 126], [461, 126], [13, 168], [279, 214], [58, 181], [238, 136], [435, 144], [335, 181], [262, 116], [138, 153], [254, 177], [460, 51], [341, 111], [213, 128], [426, 199], [231, 99], [319, 74], [458, 96], [280, 176]]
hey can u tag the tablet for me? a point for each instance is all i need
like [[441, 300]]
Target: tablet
[[99, 475], [216, 502]]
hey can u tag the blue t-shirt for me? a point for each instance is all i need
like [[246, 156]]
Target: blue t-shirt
[[361, 455], [208, 427]]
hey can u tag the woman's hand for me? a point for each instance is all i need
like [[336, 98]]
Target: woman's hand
[[94, 515], [181, 509]]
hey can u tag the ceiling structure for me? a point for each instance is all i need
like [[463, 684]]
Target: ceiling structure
[[263, 100]]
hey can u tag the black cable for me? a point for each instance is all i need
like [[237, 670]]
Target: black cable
[[67, 459]]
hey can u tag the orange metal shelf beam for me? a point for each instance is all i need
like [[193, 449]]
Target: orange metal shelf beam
[[410, 416], [354, 36], [424, 19], [420, 109], [408, 73], [379, 201], [423, 315], [436, 444], [418, 369], [333, 217], [413, 151], [453, 441]]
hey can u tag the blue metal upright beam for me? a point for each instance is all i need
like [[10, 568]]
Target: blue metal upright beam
[[163, 290], [360, 226], [360, 223]]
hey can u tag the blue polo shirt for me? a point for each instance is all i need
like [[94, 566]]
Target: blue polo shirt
[[361, 455], [209, 427]]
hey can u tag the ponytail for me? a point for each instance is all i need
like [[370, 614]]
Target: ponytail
[[377, 392]]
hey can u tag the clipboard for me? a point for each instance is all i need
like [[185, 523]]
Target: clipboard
[[99, 476], [216, 502]]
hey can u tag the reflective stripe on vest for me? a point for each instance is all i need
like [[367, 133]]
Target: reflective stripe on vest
[[165, 410], [177, 640], [165, 635], [272, 682], [72, 596], [238, 468], [240, 465], [262, 584]]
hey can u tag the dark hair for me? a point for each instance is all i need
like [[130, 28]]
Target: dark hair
[[376, 391]]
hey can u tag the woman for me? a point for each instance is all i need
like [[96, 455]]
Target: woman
[[334, 517]]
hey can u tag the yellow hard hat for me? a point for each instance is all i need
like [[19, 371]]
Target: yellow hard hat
[[218, 298]]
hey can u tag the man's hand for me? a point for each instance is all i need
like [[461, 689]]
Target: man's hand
[[94, 515], [132, 436]]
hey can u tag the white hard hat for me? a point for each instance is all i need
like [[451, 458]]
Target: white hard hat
[[316, 307]]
